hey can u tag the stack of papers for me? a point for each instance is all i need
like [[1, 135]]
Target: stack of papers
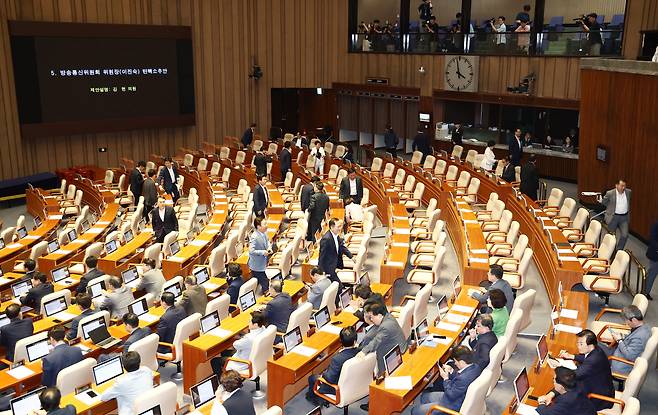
[[64, 316], [569, 364], [462, 308], [210, 285], [568, 258], [62, 252], [176, 259], [330, 328], [479, 260], [568, 313], [32, 237], [149, 318], [198, 243], [219, 332], [398, 382], [448, 326], [20, 372], [304, 350], [14, 246], [568, 329], [524, 409], [455, 318], [94, 231]]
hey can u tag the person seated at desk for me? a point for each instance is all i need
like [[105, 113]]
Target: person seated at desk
[[489, 156], [135, 333], [363, 296], [60, 357], [278, 310], [509, 172], [527, 139], [169, 320], [30, 266], [83, 301], [593, 373], [567, 146], [50, 399], [482, 339], [18, 328], [349, 153], [495, 277], [234, 280], [548, 141], [126, 388], [194, 298], [630, 346], [92, 272], [152, 279], [499, 313], [569, 398], [353, 212], [241, 347], [332, 373], [40, 287], [455, 383], [117, 299], [316, 290], [231, 399]]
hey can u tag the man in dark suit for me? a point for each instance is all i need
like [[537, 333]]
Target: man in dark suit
[[137, 180], [569, 399], [482, 339], [278, 310], [83, 300], [261, 196], [239, 401], [307, 192], [169, 320], [391, 140], [168, 178], [60, 357], [248, 135], [332, 373], [92, 272], [530, 178], [593, 374], [136, 333], [516, 148], [455, 383], [18, 328], [332, 250], [150, 193], [50, 399], [421, 143], [234, 281], [509, 173], [40, 287], [30, 269], [351, 187], [317, 209], [163, 220], [260, 163], [457, 134], [285, 160]]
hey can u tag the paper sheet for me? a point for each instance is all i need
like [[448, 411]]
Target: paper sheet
[[330, 328], [524, 409], [32, 237], [447, 340], [479, 251], [94, 231], [304, 350], [5, 280], [14, 246], [220, 332], [564, 251], [455, 318], [55, 217], [210, 285], [84, 348], [403, 231], [349, 309], [198, 243], [395, 264], [470, 221], [64, 316], [443, 325], [569, 364], [103, 222], [568, 329], [550, 227], [398, 382], [568, 258], [149, 318], [176, 259], [20, 372], [569, 313], [62, 252], [88, 400], [462, 308], [479, 260]]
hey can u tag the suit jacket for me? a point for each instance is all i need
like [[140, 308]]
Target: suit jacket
[[194, 300], [168, 322], [34, 296], [345, 189], [150, 192], [316, 291], [332, 373], [502, 285], [381, 339], [61, 357], [572, 402], [258, 246], [247, 137], [152, 282], [260, 200], [630, 348], [73, 333], [86, 278], [318, 207], [420, 144], [278, 311], [515, 150], [240, 403], [136, 183], [305, 197], [481, 346], [594, 376], [138, 334], [67, 410], [530, 180], [164, 178], [652, 248], [285, 162], [390, 139], [457, 136], [162, 228], [610, 201], [456, 385], [233, 289], [260, 163], [509, 173], [117, 301], [11, 333], [330, 259]]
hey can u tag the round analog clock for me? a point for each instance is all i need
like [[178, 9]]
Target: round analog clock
[[461, 73]]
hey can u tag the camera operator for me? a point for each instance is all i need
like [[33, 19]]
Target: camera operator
[[593, 29]]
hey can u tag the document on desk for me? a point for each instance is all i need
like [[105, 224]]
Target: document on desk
[[479, 251], [568, 258], [568, 329], [479, 260], [448, 326], [149, 318], [524, 409], [210, 285], [569, 313], [445, 340], [403, 231], [455, 318], [395, 264], [569, 364], [198, 243], [64, 316], [103, 222], [88, 400], [55, 217], [14, 246], [565, 251], [471, 221], [550, 227], [304, 350], [95, 231], [32, 237], [20, 372], [176, 259], [5, 280], [330, 328], [349, 309], [398, 383], [83, 348], [62, 252], [220, 332], [462, 308]]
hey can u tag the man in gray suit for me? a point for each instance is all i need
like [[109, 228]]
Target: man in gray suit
[[632, 345], [194, 298], [152, 279], [617, 204], [495, 277], [320, 284], [116, 301], [260, 250]]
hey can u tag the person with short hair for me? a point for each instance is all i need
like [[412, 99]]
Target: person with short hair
[[317, 209], [135, 334], [457, 136], [231, 396], [169, 320], [285, 160], [117, 299], [261, 159], [137, 180], [569, 399], [495, 277], [591, 26], [168, 179], [50, 399], [248, 135], [150, 193], [307, 192], [278, 310], [242, 346], [261, 196], [351, 187], [91, 265], [522, 32], [630, 346], [316, 290], [523, 16], [83, 301], [60, 357], [234, 280], [353, 211], [391, 140], [40, 288], [363, 296], [489, 156], [617, 204], [499, 312], [530, 177], [17, 329], [163, 220], [30, 266], [482, 339], [194, 298], [127, 387], [152, 279], [260, 249], [318, 152], [652, 256], [498, 26], [332, 249]]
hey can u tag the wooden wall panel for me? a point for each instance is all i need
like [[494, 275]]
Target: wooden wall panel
[[640, 15]]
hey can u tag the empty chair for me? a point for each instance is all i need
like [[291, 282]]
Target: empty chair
[[217, 260], [496, 355], [416, 157], [471, 193], [451, 174], [563, 217], [165, 396], [353, 383], [470, 156], [7, 235], [517, 278], [511, 332], [440, 167], [300, 318], [405, 318], [340, 151], [202, 164], [250, 285], [220, 304], [612, 283], [525, 302], [257, 145], [632, 386], [599, 263], [424, 276], [457, 151], [20, 350], [389, 169], [588, 243], [415, 199], [553, 201], [574, 230], [75, 376], [428, 165], [376, 165], [329, 298], [147, 349], [422, 216]]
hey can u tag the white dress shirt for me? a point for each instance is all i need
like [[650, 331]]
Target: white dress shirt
[[489, 159], [352, 187], [127, 387], [335, 241], [354, 212], [621, 207], [161, 212], [171, 173]]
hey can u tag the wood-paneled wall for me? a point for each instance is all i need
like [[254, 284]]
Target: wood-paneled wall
[[640, 15], [298, 43]]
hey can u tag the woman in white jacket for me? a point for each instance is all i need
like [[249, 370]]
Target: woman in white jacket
[[319, 154]]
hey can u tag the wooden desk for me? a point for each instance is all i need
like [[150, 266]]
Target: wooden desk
[[397, 257], [125, 255], [21, 248]]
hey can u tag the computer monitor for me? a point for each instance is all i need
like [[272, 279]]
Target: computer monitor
[[21, 288], [322, 317], [423, 117], [129, 275], [107, 370], [55, 305], [60, 273], [521, 385], [292, 339], [96, 289], [85, 225], [174, 247], [175, 289], [210, 321], [346, 297], [4, 320], [21, 232], [26, 403], [37, 350], [72, 235], [53, 246], [442, 306], [111, 246], [204, 391], [139, 307], [542, 349], [90, 326], [153, 411], [141, 225], [201, 275], [247, 300], [456, 286], [421, 331], [37, 221], [393, 360], [128, 235]]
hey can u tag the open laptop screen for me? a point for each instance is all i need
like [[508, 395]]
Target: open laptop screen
[[27, 403], [292, 339], [175, 289], [138, 307], [37, 350], [393, 359], [21, 288], [89, 326], [201, 275], [247, 300], [53, 246], [204, 391], [107, 370], [55, 305], [321, 317], [521, 385], [129, 275], [209, 321], [60, 273]]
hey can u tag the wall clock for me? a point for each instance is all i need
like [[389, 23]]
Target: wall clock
[[461, 73]]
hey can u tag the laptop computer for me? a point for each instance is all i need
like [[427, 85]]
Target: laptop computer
[[21, 232], [423, 335], [102, 338], [56, 308], [346, 297], [201, 274], [37, 221], [292, 339], [61, 274], [141, 225], [95, 290], [393, 360], [87, 327], [456, 286], [204, 391], [174, 247], [521, 385], [107, 370], [85, 225], [128, 236], [138, 307], [176, 289], [37, 350], [442, 307], [111, 247], [53, 246], [321, 317], [130, 276], [72, 235], [26, 403], [21, 288], [247, 300], [210, 321]]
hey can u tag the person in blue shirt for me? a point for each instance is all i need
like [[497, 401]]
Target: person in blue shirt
[[135, 381]]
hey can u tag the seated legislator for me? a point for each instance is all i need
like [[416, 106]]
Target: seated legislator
[[131, 321], [495, 277], [278, 310], [152, 279], [231, 399], [320, 284], [235, 281], [482, 339], [455, 383], [136, 380], [242, 346], [630, 346], [18, 328], [353, 211], [30, 266], [569, 398], [172, 316], [92, 272], [194, 298], [40, 287], [83, 301], [332, 373], [117, 299], [50, 399], [499, 313], [60, 357], [364, 295], [593, 373]]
